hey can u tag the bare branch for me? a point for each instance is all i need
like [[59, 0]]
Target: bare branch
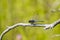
[[47, 26], [53, 24]]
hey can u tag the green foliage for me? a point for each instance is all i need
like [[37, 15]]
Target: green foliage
[[16, 11]]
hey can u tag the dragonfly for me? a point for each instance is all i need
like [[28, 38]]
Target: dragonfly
[[33, 21]]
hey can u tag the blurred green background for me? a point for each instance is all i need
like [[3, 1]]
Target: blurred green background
[[16, 11]]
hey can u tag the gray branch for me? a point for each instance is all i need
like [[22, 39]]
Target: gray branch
[[46, 26]]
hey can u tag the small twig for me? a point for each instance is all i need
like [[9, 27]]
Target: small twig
[[55, 35], [28, 24]]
